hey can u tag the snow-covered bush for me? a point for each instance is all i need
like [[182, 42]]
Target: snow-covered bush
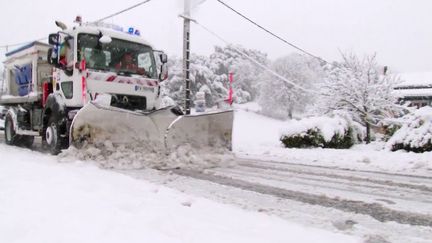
[[388, 127], [325, 132], [416, 133], [357, 129]]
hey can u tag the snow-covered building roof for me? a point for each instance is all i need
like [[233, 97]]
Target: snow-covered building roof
[[414, 84], [411, 92], [415, 80]]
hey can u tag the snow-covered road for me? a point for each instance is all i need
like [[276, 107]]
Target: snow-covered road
[[395, 207], [373, 194], [397, 192], [43, 201], [371, 205]]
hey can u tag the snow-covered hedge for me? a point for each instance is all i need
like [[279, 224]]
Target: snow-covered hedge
[[389, 127], [325, 132], [416, 133]]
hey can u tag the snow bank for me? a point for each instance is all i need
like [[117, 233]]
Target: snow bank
[[42, 201], [142, 155], [257, 137], [416, 133], [250, 106]]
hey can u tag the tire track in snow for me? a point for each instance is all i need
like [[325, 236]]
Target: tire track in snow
[[343, 177], [335, 168], [375, 210], [329, 186]]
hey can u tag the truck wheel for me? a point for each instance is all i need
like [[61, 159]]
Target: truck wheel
[[53, 138], [11, 138]]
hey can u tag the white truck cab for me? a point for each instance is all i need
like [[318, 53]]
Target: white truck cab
[[47, 84], [92, 60]]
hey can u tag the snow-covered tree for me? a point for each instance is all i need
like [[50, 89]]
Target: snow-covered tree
[[278, 98], [173, 87], [210, 75], [246, 73], [202, 79], [357, 85]]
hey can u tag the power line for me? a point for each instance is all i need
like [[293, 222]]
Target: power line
[[122, 11], [99, 20], [255, 61], [198, 4], [271, 33]]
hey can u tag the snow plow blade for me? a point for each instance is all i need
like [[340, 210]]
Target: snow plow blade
[[213, 130], [160, 130]]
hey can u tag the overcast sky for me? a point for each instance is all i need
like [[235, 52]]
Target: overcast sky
[[399, 31]]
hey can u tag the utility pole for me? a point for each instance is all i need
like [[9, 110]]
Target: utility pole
[[186, 55]]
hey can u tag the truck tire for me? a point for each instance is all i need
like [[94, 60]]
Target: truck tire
[[52, 136], [11, 138]]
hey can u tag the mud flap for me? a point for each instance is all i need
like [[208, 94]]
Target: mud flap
[[160, 130]]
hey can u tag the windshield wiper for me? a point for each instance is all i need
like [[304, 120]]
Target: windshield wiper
[[100, 68]]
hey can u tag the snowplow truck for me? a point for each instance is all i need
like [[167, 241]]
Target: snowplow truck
[[95, 83]]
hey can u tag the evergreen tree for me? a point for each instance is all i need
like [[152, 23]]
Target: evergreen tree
[[210, 75]]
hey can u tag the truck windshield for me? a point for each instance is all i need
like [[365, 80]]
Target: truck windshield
[[120, 56]]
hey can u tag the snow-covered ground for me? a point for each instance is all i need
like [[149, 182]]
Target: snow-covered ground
[[256, 136], [52, 199], [42, 200]]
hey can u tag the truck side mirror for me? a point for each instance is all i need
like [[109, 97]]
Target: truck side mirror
[[53, 39], [164, 72], [105, 39], [52, 57], [163, 58]]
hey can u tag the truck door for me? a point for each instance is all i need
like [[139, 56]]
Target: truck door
[[65, 72]]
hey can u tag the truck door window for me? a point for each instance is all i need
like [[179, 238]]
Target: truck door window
[[67, 88], [66, 57]]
